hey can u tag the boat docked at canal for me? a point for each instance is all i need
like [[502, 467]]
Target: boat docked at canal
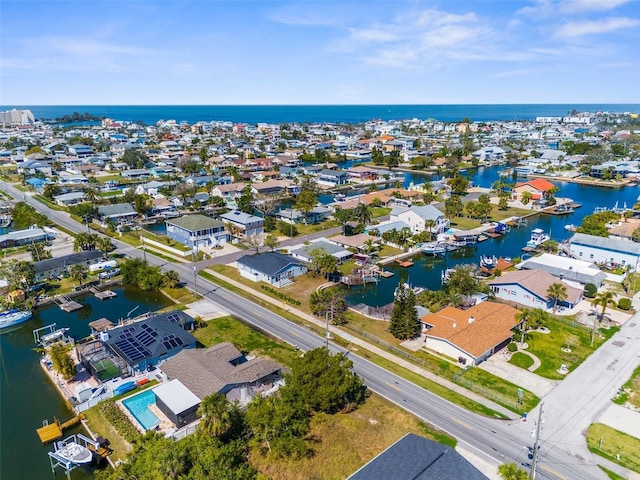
[[538, 237], [10, 318], [433, 249], [75, 453], [488, 262]]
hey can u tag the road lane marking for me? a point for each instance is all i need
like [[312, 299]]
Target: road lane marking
[[393, 386], [555, 474], [294, 333], [460, 422]]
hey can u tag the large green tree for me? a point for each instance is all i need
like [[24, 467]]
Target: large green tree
[[328, 301], [511, 471], [219, 417], [453, 207], [404, 322], [326, 381], [305, 202]]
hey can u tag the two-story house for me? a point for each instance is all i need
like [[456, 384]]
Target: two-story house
[[195, 231]]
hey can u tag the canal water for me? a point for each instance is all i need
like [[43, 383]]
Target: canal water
[[27, 397], [427, 270]]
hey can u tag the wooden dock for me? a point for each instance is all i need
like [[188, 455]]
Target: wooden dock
[[65, 303], [404, 263], [53, 431], [386, 274], [103, 295]]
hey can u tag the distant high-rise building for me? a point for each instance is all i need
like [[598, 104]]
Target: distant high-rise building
[[16, 117]]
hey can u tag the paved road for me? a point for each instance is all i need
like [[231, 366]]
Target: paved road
[[494, 440]]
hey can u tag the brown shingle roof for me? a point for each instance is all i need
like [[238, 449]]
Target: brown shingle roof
[[536, 281], [207, 371], [491, 325]]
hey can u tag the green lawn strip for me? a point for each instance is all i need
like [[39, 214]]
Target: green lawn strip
[[377, 212], [49, 203], [614, 445], [548, 346], [245, 338], [316, 227], [610, 474], [521, 360], [630, 391], [436, 388]]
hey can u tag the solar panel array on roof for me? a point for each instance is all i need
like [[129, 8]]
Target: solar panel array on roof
[[171, 341], [174, 317], [132, 349]]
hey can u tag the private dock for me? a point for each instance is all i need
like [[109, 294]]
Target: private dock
[[53, 431], [103, 295], [65, 303], [386, 274], [404, 263]]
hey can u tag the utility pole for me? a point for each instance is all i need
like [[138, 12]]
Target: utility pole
[[194, 253], [536, 446]]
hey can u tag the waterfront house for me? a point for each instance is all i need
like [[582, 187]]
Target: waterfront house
[[418, 458], [304, 252], [271, 187], [197, 230], [223, 369], [357, 242], [416, 217], [271, 267], [178, 403], [229, 192], [141, 344], [120, 213], [23, 237], [470, 336], [293, 216], [135, 173], [66, 178], [242, 224], [332, 178], [569, 270], [610, 251], [54, 267], [362, 174], [536, 187], [624, 230], [529, 288]]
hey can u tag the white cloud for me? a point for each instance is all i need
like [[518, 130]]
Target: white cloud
[[573, 6], [578, 29], [511, 73]]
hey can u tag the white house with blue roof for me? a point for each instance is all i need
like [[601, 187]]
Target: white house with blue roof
[[245, 224], [271, 267]]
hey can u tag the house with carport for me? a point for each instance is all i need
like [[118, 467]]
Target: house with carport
[[469, 336], [241, 224]]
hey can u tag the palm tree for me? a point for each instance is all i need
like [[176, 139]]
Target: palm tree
[[91, 194], [104, 245], [362, 213], [429, 224], [78, 272], [557, 292], [369, 247], [171, 279], [510, 471], [219, 416], [604, 299], [523, 317]]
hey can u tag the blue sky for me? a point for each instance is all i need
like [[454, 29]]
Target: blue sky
[[319, 52]]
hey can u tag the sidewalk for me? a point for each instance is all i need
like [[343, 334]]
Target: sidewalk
[[622, 419], [374, 349]]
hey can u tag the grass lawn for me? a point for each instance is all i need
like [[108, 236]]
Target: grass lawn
[[496, 215], [99, 426], [342, 443], [484, 383], [611, 475], [377, 212], [608, 442], [521, 360], [245, 338], [388, 251], [182, 295], [548, 347], [630, 390], [316, 227]]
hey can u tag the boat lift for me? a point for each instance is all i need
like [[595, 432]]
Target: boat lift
[[45, 336], [67, 465]]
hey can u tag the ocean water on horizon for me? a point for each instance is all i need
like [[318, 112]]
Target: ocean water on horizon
[[150, 114]]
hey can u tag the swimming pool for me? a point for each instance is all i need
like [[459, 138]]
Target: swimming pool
[[138, 405]]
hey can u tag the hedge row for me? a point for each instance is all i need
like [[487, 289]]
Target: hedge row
[[116, 417], [281, 296]]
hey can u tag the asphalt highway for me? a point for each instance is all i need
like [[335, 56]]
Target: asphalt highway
[[496, 441]]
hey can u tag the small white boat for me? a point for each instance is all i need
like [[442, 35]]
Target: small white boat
[[433, 249], [538, 237], [488, 262], [9, 318], [74, 452], [570, 228], [339, 197]]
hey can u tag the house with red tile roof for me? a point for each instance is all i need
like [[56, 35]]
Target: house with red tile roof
[[470, 336], [537, 187]]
